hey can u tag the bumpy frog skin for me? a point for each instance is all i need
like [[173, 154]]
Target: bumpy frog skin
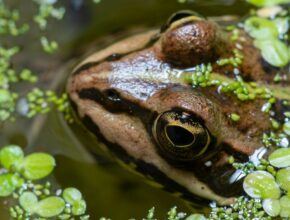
[[130, 93]]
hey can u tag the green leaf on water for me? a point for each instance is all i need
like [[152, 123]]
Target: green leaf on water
[[28, 201], [282, 24], [262, 3], [261, 184], [196, 217], [50, 207], [7, 184], [71, 195], [11, 155], [283, 178], [274, 51], [286, 127], [38, 165], [79, 207], [280, 158], [272, 207], [261, 28], [285, 207]]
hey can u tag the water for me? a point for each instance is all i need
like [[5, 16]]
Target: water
[[109, 189]]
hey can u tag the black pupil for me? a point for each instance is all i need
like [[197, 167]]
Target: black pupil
[[179, 136]]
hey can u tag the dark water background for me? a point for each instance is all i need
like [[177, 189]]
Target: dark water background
[[109, 189]]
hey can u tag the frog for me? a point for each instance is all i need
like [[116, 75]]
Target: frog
[[133, 97]]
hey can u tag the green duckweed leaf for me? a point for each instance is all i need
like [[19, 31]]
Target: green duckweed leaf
[[285, 207], [50, 207], [11, 155], [280, 158], [7, 184], [286, 127], [274, 51], [38, 165], [261, 28], [272, 207], [28, 201], [261, 184], [72, 195], [262, 3], [283, 178], [79, 207], [282, 24], [196, 217]]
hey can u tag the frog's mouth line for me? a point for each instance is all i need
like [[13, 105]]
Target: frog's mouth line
[[217, 178]]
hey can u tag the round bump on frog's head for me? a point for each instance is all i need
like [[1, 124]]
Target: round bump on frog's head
[[190, 40]]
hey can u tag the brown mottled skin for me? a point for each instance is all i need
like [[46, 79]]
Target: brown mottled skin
[[141, 88]]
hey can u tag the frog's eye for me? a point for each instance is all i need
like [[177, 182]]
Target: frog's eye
[[180, 136]]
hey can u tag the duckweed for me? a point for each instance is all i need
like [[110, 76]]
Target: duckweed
[[7, 185], [36, 198], [37, 166], [235, 117], [11, 155], [261, 3], [261, 28], [283, 178], [274, 51], [261, 184], [50, 207], [272, 207], [280, 158], [196, 217], [285, 207], [28, 201], [286, 128], [266, 34]]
